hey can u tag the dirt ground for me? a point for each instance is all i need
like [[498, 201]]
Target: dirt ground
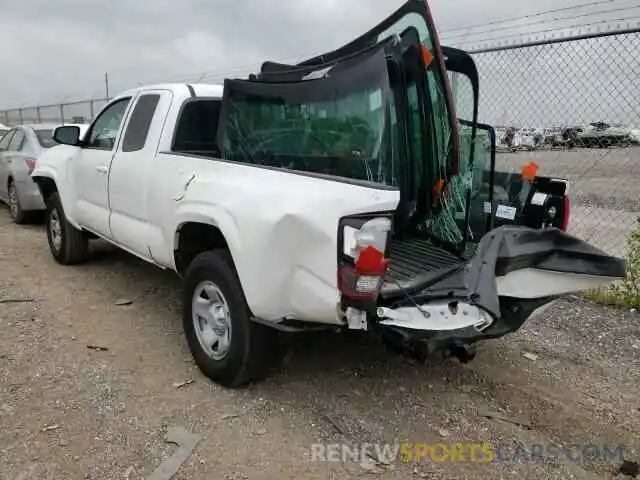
[[571, 376]]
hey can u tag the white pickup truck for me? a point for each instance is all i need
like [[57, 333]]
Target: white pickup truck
[[303, 197]]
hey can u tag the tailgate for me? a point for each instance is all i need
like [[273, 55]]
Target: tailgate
[[514, 270]]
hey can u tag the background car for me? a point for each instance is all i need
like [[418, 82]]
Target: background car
[[3, 129], [19, 151]]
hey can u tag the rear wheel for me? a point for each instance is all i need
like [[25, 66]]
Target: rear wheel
[[226, 344], [18, 215], [68, 245]]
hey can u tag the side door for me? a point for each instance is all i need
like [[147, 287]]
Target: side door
[[90, 168], [131, 169], [481, 195], [459, 224], [13, 156], [494, 198], [4, 166]]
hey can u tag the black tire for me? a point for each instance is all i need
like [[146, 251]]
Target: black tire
[[72, 245], [18, 215], [248, 357]]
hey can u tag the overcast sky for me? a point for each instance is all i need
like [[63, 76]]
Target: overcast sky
[[53, 49]]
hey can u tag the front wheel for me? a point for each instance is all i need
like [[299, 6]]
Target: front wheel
[[226, 344], [68, 245]]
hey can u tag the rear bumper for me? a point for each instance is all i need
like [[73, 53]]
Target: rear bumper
[[515, 313], [29, 195], [512, 261], [514, 272]]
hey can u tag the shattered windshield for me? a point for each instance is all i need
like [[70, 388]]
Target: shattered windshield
[[338, 125], [432, 154], [443, 147]]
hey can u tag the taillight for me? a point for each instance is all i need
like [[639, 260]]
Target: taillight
[[566, 213], [358, 287], [363, 279], [31, 164]]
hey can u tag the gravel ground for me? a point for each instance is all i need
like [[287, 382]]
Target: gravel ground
[[70, 412]]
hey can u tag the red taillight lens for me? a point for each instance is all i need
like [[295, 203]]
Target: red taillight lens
[[566, 213], [31, 163], [371, 261]]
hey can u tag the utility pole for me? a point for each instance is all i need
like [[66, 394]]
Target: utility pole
[[106, 84]]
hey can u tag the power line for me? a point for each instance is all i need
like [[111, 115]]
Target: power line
[[538, 22], [553, 30], [531, 15], [199, 76]]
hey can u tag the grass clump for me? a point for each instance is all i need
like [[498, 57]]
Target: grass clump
[[625, 293]]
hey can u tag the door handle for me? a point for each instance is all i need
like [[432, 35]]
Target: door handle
[[102, 169]]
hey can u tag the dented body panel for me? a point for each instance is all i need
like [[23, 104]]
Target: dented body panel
[[281, 229]]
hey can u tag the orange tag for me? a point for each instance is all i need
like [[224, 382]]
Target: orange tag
[[437, 192], [437, 189], [529, 171], [427, 56]]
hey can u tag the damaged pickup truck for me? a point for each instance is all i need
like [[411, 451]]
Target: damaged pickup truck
[[347, 191]]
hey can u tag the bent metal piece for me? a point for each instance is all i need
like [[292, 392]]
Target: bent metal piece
[[515, 274], [546, 262]]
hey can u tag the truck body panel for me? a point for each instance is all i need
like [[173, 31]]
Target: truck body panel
[[144, 197]]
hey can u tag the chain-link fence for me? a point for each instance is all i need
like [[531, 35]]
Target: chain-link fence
[[572, 106], [82, 111]]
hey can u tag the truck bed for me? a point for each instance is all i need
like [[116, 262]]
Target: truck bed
[[412, 257]]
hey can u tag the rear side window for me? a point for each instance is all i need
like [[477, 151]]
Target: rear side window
[[138, 127], [17, 141], [197, 128]]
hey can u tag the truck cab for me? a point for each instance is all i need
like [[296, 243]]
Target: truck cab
[[351, 191]]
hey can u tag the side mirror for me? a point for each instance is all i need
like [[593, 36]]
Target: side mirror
[[67, 135]]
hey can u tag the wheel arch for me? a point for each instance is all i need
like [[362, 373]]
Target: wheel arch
[[200, 231], [48, 185]]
